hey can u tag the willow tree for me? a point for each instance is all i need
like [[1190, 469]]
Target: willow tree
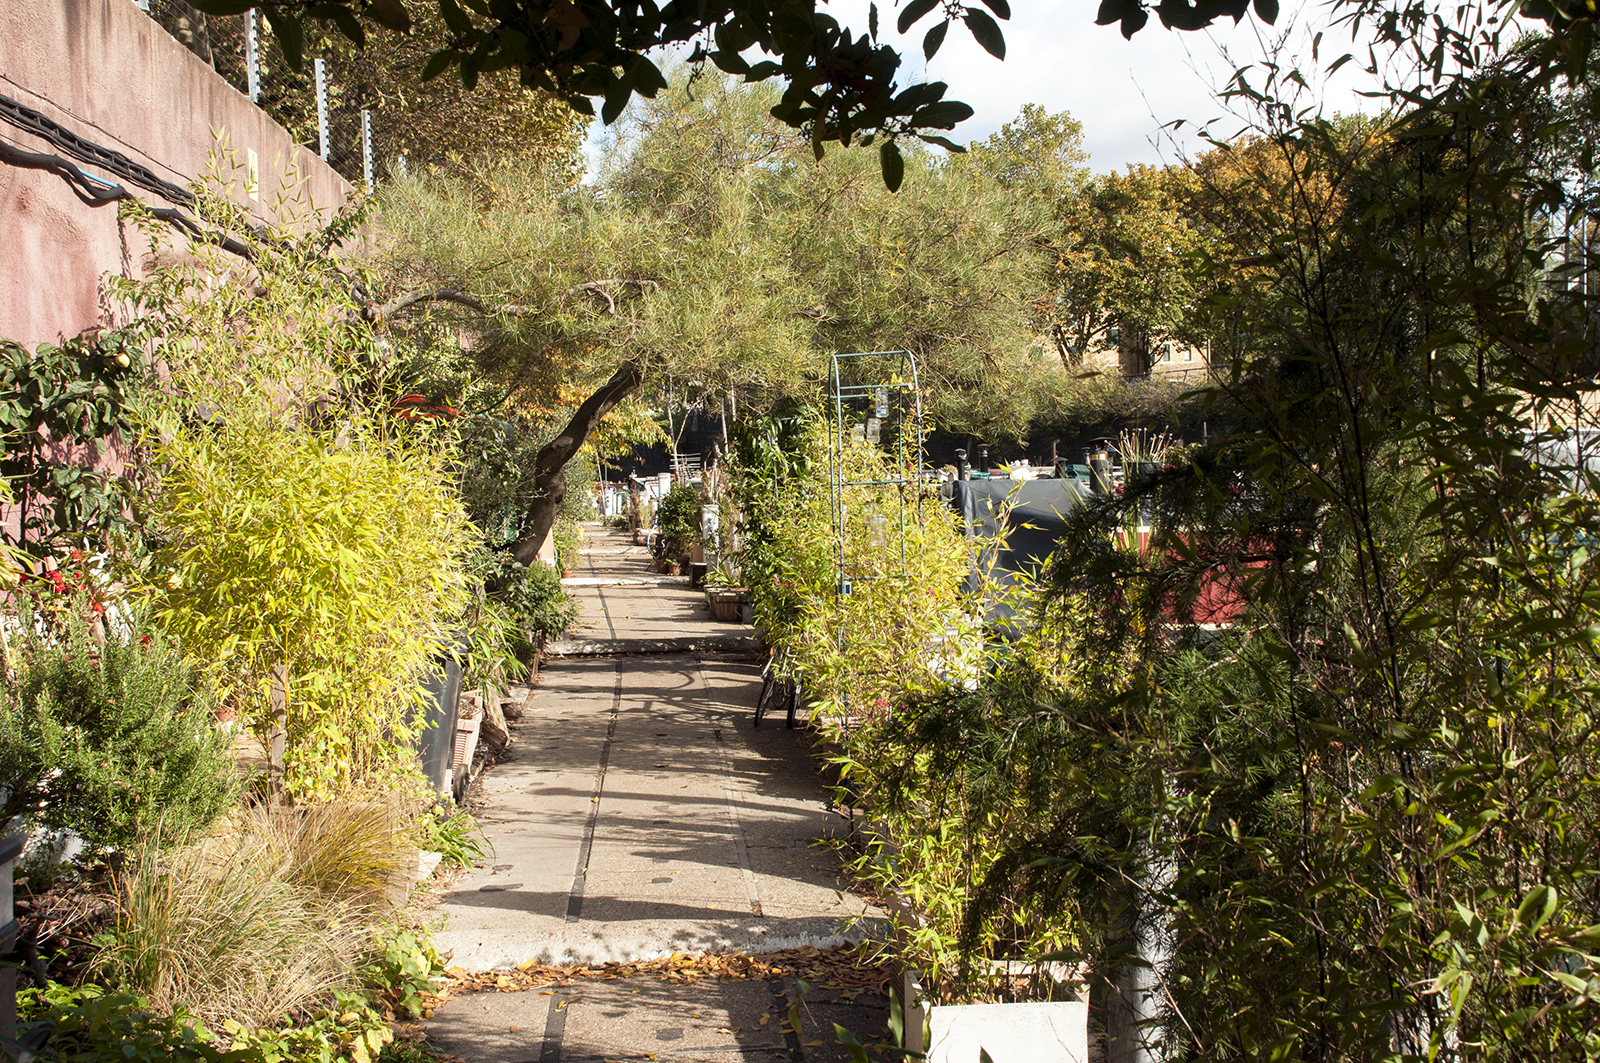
[[702, 258]]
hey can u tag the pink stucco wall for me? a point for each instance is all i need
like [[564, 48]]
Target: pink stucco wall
[[107, 72]]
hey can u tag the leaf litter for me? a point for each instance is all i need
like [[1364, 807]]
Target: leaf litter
[[843, 969]]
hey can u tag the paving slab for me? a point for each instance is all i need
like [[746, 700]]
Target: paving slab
[[639, 813]]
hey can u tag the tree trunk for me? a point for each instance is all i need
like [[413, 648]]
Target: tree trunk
[[550, 467]]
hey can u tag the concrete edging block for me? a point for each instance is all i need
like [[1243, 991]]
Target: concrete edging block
[[1047, 1032]]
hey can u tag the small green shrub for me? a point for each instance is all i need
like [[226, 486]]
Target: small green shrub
[[341, 556], [403, 966], [93, 1025], [569, 540], [449, 832], [491, 640], [351, 1026], [533, 595], [74, 394], [115, 739], [679, 516], [96, 1026]]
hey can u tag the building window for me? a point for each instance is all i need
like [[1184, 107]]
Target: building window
[[1166, 352], [1188, 354]]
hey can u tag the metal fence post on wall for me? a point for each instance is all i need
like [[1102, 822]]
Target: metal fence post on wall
[[252, 54], [366, 148], [322, 109]]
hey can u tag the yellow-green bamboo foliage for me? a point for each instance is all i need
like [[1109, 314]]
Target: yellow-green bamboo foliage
[[899, 630], [339, 559], [292, 521]]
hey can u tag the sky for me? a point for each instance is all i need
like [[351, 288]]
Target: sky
[[1122, 91]]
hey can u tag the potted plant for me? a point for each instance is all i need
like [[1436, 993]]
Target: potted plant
[[679, 516], [726, 599]]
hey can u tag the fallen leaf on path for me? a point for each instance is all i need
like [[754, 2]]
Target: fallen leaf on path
[[840, 969]]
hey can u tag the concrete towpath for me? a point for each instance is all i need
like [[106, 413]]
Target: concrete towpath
[[639, 814]]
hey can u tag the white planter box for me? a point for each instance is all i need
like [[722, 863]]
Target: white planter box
[[1053, 1032]]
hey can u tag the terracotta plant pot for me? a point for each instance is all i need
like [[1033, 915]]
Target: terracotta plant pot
[[671, 568]]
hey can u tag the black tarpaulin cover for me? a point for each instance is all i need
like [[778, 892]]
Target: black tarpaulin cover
[[1033, 511]]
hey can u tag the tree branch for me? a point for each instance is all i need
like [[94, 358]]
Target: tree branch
[[599, 287], [551, 463], [377, 314]]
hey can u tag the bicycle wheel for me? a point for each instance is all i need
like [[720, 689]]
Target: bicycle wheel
[[768, 681]]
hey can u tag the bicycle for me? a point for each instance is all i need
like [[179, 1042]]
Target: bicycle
[[776, 692]]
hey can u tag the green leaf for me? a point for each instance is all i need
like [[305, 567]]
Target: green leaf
[[946, 114], [291, 38], [1541, 899], [1130, 13], [225, 7], [894, 165], [914, 11], [618, 93], [848, 1039], [1000, 8], [1267, 11], [437, 64], [986, 31], [391, 13], [457, 20], [350, 26], [935, 37]]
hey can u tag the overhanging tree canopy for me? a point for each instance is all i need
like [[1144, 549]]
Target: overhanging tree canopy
[[703, 262]]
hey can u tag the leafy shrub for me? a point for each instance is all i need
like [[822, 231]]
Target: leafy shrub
[[93, 1025], [449, 832], [679, 516], [341, 557], [903, 621], [75, 394], [96, 1026], [114, 739], [403, 967], [533, 595], [294, 523], [569, 540], [488, 646]]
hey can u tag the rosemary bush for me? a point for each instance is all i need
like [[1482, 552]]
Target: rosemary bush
[[114, 738]]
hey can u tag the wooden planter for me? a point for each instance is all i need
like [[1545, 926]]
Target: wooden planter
[[467, 732], [727, 603]]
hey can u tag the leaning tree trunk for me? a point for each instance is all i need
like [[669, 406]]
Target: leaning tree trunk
[[550, 467]]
